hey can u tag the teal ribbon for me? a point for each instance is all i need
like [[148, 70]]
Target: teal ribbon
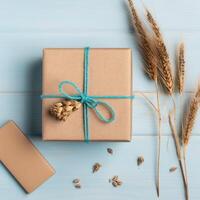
[[88, 101]]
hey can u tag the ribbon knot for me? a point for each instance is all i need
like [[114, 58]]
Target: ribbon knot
[[91, 103], [84, 99]]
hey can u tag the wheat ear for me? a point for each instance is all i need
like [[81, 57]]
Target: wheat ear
[[191, 116], [145, 44], [181, 67], [164, 69], [189, 124]]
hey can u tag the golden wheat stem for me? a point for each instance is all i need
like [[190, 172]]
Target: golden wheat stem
[[172, 122], [174, 134], [186, 174], [159, 141], [185, 164], [178, 152], [159, 135], [148, 101], [182, 166]]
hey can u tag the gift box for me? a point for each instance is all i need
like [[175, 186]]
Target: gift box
[[101, 80]]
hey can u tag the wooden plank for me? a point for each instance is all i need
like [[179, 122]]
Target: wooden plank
[[62, 16], [21, 56], [25, 109], [75, 160]]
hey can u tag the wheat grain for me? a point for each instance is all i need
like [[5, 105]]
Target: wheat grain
[[173, 169]]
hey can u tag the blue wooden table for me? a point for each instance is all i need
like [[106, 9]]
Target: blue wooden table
[[26, 27]]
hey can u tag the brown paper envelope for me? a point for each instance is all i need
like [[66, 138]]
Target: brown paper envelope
[[22, 158], [109, 74]]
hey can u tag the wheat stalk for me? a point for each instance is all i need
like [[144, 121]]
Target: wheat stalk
[[180, 84], [164, 69], [159, 140], [175, 135], [172, 120], [189, 124], [181, 67], [178, 152], [191, 116], [148, 50], [148, 101]]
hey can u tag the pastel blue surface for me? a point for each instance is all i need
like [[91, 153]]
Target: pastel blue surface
[[26, 27]]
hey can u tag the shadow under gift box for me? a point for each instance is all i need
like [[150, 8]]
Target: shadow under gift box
[[110, 73]]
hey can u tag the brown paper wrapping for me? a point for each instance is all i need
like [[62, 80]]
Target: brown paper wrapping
[[109, 74]]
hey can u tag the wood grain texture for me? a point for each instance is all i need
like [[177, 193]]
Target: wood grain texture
[[26, 27]]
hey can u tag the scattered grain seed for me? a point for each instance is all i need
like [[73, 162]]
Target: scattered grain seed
[[172, 169], [96, 167], [119, 182], [115, 178], [110, 151], [140, 160], [115, 181], [77, 185], [76, 181]]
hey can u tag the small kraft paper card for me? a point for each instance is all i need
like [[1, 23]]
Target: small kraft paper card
[[87, 94], [22, 158]]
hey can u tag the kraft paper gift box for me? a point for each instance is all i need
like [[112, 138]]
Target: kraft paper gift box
[[109, 73]]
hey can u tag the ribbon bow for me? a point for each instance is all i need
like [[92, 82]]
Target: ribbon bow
[[90, 101]]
